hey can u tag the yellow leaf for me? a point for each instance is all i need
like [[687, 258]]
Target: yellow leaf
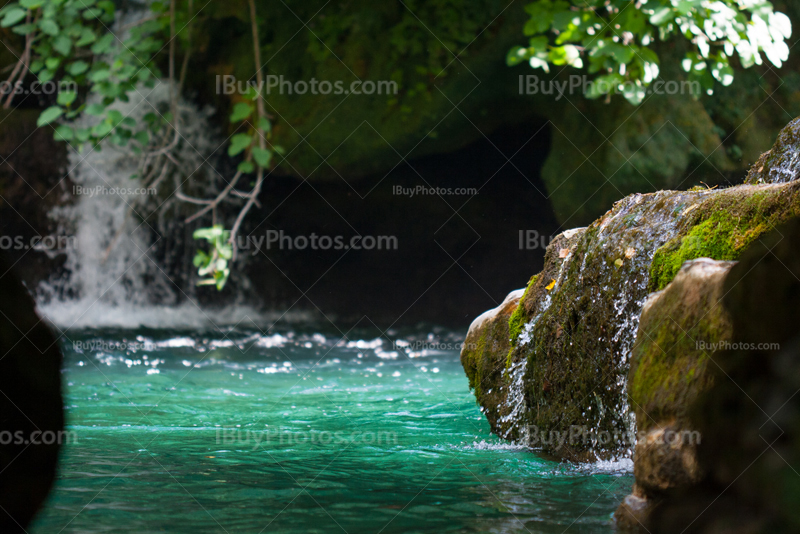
[[551, 285]]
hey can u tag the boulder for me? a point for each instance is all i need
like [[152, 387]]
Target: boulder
[[680, 327], [749, 418], [31, 410], [566, 351]]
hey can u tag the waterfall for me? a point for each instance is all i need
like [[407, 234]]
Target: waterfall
[[113, 276]]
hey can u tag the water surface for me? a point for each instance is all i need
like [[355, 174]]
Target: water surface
[[242, 431]]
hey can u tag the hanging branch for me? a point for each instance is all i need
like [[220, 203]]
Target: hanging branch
[[262, 143]]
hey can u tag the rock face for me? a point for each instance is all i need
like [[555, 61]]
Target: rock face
[[31, 411], [781, 163], [749, 417], [454, 87], [558, 373], [680, 327]]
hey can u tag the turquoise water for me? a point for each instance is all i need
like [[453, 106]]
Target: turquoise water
[[290, 432]]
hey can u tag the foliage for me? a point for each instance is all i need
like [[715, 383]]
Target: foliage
[[214, 263], [69, 40], [616, 37]]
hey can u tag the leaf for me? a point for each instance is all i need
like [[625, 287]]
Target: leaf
[[96, 109], [208, 233], [62, 45], [77, 68], [239, 143], [49, 115], [262, 156], [661, 16], [12, 16], [551, 285], [24, 29], [49, 27], [241, 111], [103, 45], [66, 98], [142, 137], [63, 133], [264, 125], [246, 167], [99, 75], [201, 258]]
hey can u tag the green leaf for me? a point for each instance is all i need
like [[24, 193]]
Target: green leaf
[[246, 167], [241, 111], [49, 27], [99, 75], [142, 137], [201, 258], [96, 109], [66, 98], [661, 16], [239, 143], [264, 125], [87, 37], [103, 45], [49, 115], [77, 68], [102, 129], [62, 45], [24, 29], [262, 156], [63, 133], [12, 16], [30, 4], [208, 233]]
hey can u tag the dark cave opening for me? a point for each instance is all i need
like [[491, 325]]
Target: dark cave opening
[[457, 249]]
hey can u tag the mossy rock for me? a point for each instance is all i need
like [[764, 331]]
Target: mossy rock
[[749, 418], [723, 226], [669, 359], [782, 163], [483, 356], [566, 348]]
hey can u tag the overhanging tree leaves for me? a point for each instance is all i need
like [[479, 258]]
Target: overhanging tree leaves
[[615, 38]]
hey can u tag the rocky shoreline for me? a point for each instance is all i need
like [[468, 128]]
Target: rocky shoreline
[[622, 344]]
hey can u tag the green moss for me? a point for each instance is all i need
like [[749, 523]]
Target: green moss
[[518, 319], [668, 366], [722, 229], [472, 363]]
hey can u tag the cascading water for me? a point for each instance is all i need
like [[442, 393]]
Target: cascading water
[[113, 275]]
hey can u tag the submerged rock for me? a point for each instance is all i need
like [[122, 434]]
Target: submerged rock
[[31, 412], [557, 372]]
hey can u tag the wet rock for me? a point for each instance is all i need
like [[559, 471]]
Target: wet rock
[[484, 354], [749, 418], [567, 356], [782, 163], [31, 412], [680, 327]]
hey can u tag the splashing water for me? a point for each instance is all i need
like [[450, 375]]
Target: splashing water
[[113, 276]]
